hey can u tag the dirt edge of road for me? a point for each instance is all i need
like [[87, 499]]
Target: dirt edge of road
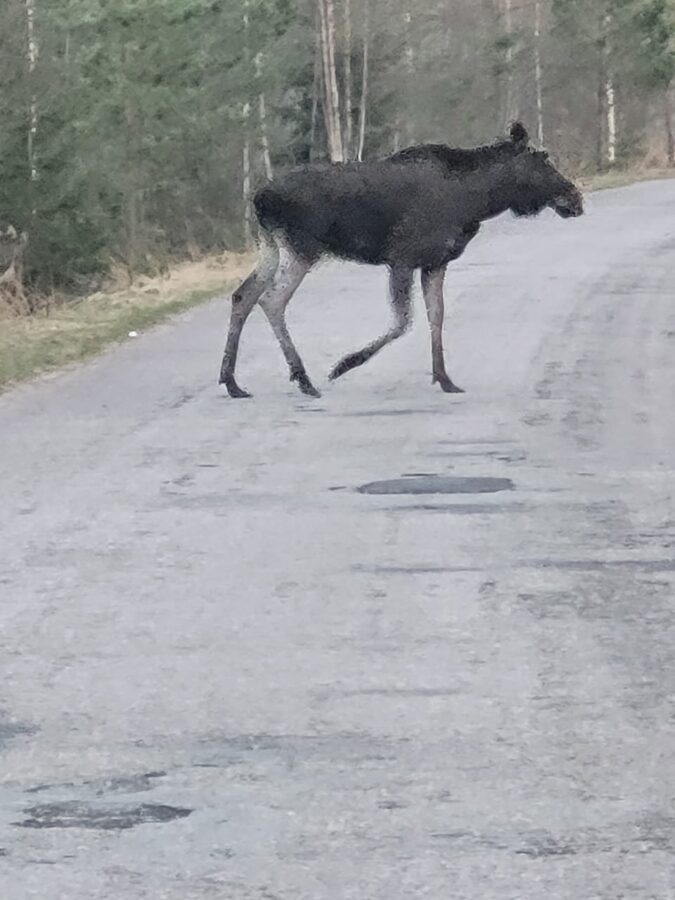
[[70, 332]]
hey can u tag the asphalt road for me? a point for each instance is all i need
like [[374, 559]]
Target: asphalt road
[[227, 673]]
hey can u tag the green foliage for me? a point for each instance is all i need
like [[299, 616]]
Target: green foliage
[[655, 30], [141, 105]]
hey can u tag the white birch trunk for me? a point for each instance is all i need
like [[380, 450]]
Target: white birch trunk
[[33, 115], [364, 82], [246, 150], [537, 72], [316, 87], [262, 115], [348, 78], [610, 97], [509, 104], [404, 125], [338, 151], [331, 97], [611, 120], [246, 179]]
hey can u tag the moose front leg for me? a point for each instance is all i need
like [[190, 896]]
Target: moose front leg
[[432, 288]]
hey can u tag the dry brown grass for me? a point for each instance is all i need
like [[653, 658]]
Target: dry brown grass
[[623, 177], [70, 331]]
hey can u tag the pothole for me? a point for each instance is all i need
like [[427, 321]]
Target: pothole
[[103, 817], [437, 484]]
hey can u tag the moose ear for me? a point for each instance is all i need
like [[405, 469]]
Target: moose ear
[[519, 135]]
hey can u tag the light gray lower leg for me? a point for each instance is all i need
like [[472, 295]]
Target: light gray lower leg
[[400, 285], [274, 301], [432, 288], [243, 300]]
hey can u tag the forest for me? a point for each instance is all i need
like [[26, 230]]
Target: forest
[[132, 132]]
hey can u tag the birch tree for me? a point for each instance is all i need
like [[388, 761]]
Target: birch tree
[[510, 106], [32, 58], [608, 86], [538, 73], [262, 114], [363, 105], [331, 93], [348, 109]]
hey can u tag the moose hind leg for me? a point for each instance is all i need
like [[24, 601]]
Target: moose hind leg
[[432, 288], [400, 286], [274, 301], [244, 299]]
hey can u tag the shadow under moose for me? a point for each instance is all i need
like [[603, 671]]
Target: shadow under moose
[[416, 209]]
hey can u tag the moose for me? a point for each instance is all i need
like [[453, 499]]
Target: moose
[[416, 209]]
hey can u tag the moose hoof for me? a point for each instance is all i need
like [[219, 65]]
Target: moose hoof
[[449, 387], [233, 388], [336, 371], [305, 384]]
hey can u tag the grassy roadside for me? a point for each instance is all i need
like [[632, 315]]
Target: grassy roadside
[[74, 331], [622, 178]]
